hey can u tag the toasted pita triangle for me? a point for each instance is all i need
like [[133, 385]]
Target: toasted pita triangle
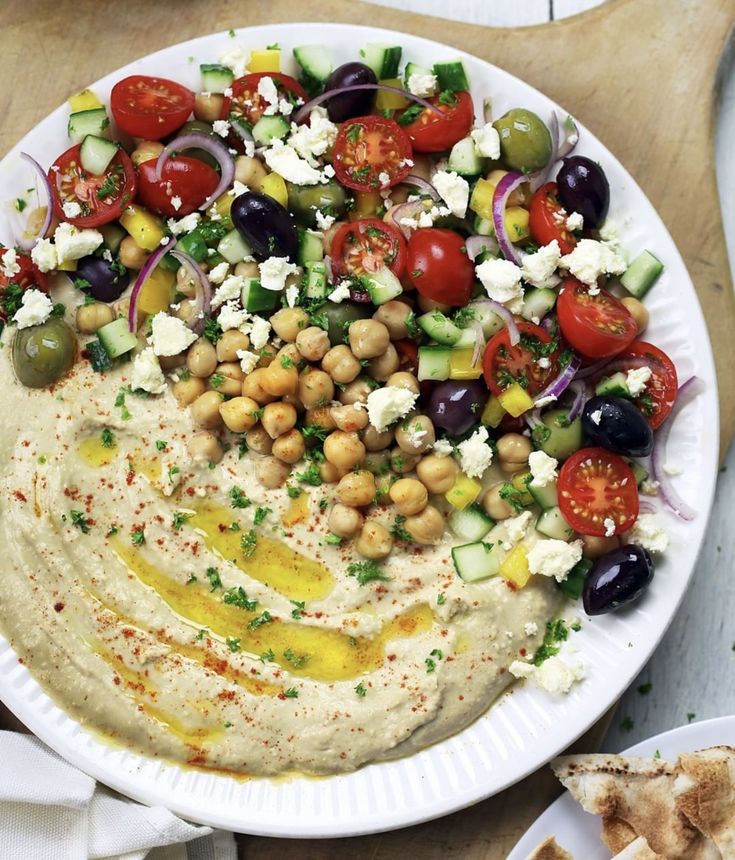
[[639, 849], [549, 849]]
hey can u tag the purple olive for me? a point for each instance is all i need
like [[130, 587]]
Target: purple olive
[[265, 225], [108, 279], [357, 103], [618, 425], [456, 405], [583, 188], [617, 578]]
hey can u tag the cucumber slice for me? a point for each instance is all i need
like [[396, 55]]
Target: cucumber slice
[[315, 280], [233, 247], [491, 323], [311, 248], [382, 59], [270, 128], [573, 585], [97, 355], [96, 153], [414, 69], [216, 78], [552, 524], [255, 298], [434, 363], [640, 473], [382, 286], [113, 234], [613, 386], [642, 274], [464, 160], [556, 435], [84, 122], [476, 561], [116, 337], [471, 524], [315, 60], [439, 328], [451, 75], [483, 227], [546, 496], [537, 303], [467, 339]]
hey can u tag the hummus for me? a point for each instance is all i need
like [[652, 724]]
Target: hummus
[[130, 598]]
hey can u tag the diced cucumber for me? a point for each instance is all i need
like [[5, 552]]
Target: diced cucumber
[[464, 160], [98, 357], [216, 78], [315, 60], [573, 585], [315, 280], [451, 75], [467, 339], [414, 69], [192, 244], [255, 298], [475, 561], [310, 247], [613, 386], [546, 496], [537, 303], [117, 338], [96, 153], [439, 328], [642, 274], [552, 524], [557, 436], [640, 473], [382, 286], [270, 128], [471, 524], [86, 122], [434, 362], [382, 59], [490, 322], [483, 227], [113, 234], [233, 247]]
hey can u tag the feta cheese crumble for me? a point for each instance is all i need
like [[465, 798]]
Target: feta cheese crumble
[[73, 243], [313, 140], [649, 532], [10, 265], [530, 628], [388, 404], [170, 335], [340, 293], [443, 447], [260, 330], [324, 222], [453, 190], [147, 373], [44, 255], [35, 309], [248, 360], [274, 271], [185, 224], [285, 161], [71, 209], [474, 455], [557, 674], [543, 468], [221, 127], [219, 273], [539, 269], [231, 316], [176, 203], [235, 59], [574, 222], [636, 380], [501, 279], [591, 259], [487, 141], [422, 84], [609, 524], [554, 558], [230, 290], [518, 526]]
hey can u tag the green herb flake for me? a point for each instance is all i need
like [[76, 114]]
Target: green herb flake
[[237, 596], [366, 571], [310, 476], [161, 445], [137, 536], [291, 693], [107, 438], [20, 204], [333, 540], [294, 492], [410, 114], [299, 606], [645, 689], [627, 724], [238, 499], [691, 716], [260, 515], [267, 656], [233, 644], [180, 517], [361, 690], [217, 380], [248, 543], [397, 529], [298, 661], [441, 599], [213, 576], [264, 618], [192, 579], [80, 521]]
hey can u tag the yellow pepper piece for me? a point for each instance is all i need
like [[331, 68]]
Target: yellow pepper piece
[[390, 101], [86, 100], [481, 201], [145, 228], [516, 400], [516, 223], [157, 292], [366, 205], [461, 367], [464, 492], [514, 566], [519, 482], [268, 60], [493, 412], [223, 205], [67, 266], [274, 186]]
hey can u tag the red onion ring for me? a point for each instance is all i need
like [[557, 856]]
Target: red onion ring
[[580, 398], [148, 267], [407, 210], [423, 184], [477, 244], [591, 369], [503, 190], [27, 244], [203, 295], [645, 507], [533, 418], [303, 112], [559, 385], [479, 342], [510, 323], [571, 137], [329, 268], [218, 151]]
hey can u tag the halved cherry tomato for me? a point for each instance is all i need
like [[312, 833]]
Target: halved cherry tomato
[[366, 246], [430, 132], [503, 364], [371, 153], [408, 354], [438, 266], [149, 107], [657, 399], [597, 492], [102, 198], [548, 219], [189, 179], [248, 104], [12, 287], [598, 326]]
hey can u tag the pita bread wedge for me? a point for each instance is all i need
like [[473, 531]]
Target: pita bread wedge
[[549, 849], [639, 849], [635, 798], [704, 792]]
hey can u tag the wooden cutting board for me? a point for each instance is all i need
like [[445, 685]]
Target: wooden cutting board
[[641, 74]]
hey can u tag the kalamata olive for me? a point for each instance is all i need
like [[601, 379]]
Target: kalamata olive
[[456, 405], [108, 279], [616, 578], [43, 353], [583, 188], [357, 103], [265, 225], [618, 425], [525, 141]]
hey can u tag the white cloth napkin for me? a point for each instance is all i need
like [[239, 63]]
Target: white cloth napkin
[[49, 809]]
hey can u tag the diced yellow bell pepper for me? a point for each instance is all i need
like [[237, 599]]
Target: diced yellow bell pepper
[[223, 204], [516, 223], [274, 186], [145, 228], [514, 567], [481, 201], [464, 492], [386, 100], [157, 292], [268, 60], [516, 400], [493, 412], [67, 266], [86, 100], [516, 216], [366, 205], [519, 482], [461, 367]]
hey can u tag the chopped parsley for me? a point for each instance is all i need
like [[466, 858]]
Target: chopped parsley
[[173, 471], [238, 499], [161, 445], [107, 437], [20, 204], [366, 571], [233, 644], [291, 693], [410, 114], [397, 529], [264, 618], [361, 690], [556, 631], [441, 599], [248, 543], [192, 579], [627, 724], [412, 327], [296, 660], [286, 362], [260, 515], [645, 689], [80, 521], [508, 493], [353, 133], [137, 536], [12, 299], [180, 517], [333, 539], [294, 492], [267, 656], [691, 716], [109, 186], [314, 431], [299, 606], [212, 330], [324, 504], [430, 661], [310, 476], [201, 634], [217, 380], [447, 97], [213, 576], [120, 403], [237, 596]]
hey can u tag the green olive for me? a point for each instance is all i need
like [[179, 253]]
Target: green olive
[[339, 316], [557, 436], [203, 128], [304, 200], [525, 141], [42, 354]]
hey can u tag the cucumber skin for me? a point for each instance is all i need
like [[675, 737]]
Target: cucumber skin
[[116, 338], [319, 71], [642, 274], [96, 154]]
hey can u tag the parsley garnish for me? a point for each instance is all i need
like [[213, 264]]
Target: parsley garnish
[[314, 431], [263, 618], [180, 517], [161, 445], [260, 515], [109, 186], [447, 97], [233, 644], [137, 536], [107, 437], [294, 492], [311, 476], [627, 724], [441, 599], [267, 656], [333, 540], [291, 693], [431, 662], [212, 330], [366, 571], [237, 596], [286, 362], [213, 576], [397, 529], [248, 543], [296, 660], [238, 499], [353, 133], [509, 494], [20, 204], [556, 631], [410, 114], [412, 327], [120, 403], [80, 521], [299, 606], [360, 690], [216, 380], [691, 716], [645, 689]]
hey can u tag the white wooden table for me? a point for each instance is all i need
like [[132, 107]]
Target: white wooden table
[[690, 672]]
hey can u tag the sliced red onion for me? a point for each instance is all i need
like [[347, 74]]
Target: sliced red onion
[[241, 130], [503, 190], [687, 392], [513, 334], [329, 268], [27, 244], [646, 507], [533, 418], [580, 398], [407, 210], [361, 296], [570, 139], [559, 385], [150, 264], [218, 151], [592, 369], [422, 184], [304, 111], [479, 342], [487, 110], [203, 295], [477, 244]]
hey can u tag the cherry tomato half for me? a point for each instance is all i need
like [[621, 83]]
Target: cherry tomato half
[[366, 246], [657, 399], [11, 287], [102, 198], [408, 354], [150, 107], [432, 132], [247, 103], [438, 266], [548, 219], [189, 179], [597, 326], [596, 487], [371, 153], [503, 364]]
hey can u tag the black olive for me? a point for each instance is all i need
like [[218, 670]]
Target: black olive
[[617, 578], [583, 188], [265, 225], [108, 279], [357, 103], [618, 425]]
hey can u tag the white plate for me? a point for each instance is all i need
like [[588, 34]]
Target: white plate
[[525, 728], [579, 832]]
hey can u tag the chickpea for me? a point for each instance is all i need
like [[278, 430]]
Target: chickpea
[[131, 254], [201, 358], [278, 418], [368, 338], [288, 322], [437, 473], [186, 310], [496, 507], [401, 462], [272, 472], [186, 391], [328, 236], [426, 527], [321, 417], [329, 473], [638, 311], [289, 447], [384, 366], [377, 462], [376, 440], [427, 305], [267, 356], [94, 316], [356, 391], [403, 379], [313, 343], [184, 282], [315, 388], [205, 447], [345, 450], [393, 315], [357, 489], [250, 171], [349, 418], [247, 270], [252, 386], [227, 379], [375, 541], [205, 410], [594, 547], [208, 107], [146, 150], [344, 521], [36, 220], [409, 496], [239, 413], [341, 364], [513, 451], [230, 342], [258, 440], [279, 380], [415, 434]]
